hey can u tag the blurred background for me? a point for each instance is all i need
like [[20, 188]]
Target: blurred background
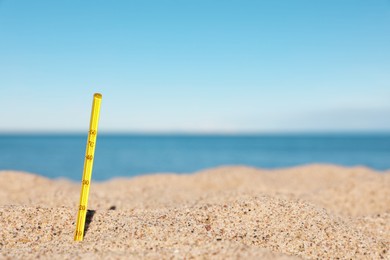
[[194, 84]]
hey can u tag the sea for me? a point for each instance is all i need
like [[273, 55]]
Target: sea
[[127, 155]]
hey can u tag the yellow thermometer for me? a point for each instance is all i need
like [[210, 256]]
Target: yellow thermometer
[[88, 163]]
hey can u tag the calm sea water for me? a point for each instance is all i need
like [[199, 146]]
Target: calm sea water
[[129, 155]]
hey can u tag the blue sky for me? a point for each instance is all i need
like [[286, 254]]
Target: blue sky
[[195, 66]]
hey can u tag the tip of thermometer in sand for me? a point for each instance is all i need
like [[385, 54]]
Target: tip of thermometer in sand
[[88, 163]]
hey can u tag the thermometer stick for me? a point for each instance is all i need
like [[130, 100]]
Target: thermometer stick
[[88, 163]]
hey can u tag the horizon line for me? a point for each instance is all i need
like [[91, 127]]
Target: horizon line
[[194, 133]]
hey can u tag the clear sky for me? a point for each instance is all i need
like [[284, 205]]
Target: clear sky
[[195, 66]]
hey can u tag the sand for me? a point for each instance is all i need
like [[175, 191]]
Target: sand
[[314, 211]]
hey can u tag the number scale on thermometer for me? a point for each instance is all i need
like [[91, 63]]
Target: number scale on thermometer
[[88, 164]]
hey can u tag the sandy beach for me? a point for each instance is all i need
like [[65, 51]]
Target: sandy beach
[[309, 212]]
